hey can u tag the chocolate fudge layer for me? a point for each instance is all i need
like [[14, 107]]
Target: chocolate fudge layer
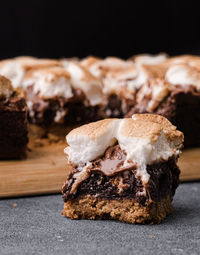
[[13, 125], [122, 162], [60, 110], [108, 181]]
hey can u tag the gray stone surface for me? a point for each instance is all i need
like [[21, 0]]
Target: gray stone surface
[[35, 226]]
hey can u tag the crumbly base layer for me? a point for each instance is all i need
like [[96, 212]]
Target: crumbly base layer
[[124, 210]]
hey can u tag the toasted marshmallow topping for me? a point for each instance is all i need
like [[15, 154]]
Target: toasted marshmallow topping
[[148, 59], [65, 61], [184, 74], [6, 88], [83, 79], [145, 138], [36, 63], [116, 74], [89, 61], [183, 59], [49, 82], [131, 78], [16, 68], [13, 71], [100, 67]]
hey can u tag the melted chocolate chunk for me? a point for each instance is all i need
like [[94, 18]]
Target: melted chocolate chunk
[[112, 162]]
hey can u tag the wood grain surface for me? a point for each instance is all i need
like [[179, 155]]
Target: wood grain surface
[[189, 163], [45, 169]]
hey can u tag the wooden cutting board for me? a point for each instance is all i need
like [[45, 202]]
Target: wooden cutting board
[[45, 169]]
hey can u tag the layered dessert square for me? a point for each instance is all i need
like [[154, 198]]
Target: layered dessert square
[[122, 169], [13, 122], [60, 94], [121, 80], [175, 94], [60, 97]]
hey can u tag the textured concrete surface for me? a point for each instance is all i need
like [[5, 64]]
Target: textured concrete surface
[[35, 226]]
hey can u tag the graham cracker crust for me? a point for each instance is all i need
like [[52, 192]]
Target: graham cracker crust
[[124, 210]]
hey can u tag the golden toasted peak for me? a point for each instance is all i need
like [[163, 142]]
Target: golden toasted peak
[[152, 125], [149, 59], [55, 72], [89, 61], [92, 130], [27, 62]]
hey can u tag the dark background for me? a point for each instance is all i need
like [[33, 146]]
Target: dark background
[[80, 28]]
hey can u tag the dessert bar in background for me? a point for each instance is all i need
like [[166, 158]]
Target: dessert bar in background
[[58, 97], [122, 169], [63, 94], [13, 122], [175, 94], [120, 81], [60, 94]]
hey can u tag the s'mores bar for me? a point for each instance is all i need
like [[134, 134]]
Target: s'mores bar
[[121, 80], [122, 169], [175, 94], [13, 122], [59, 93], [67, 95]]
